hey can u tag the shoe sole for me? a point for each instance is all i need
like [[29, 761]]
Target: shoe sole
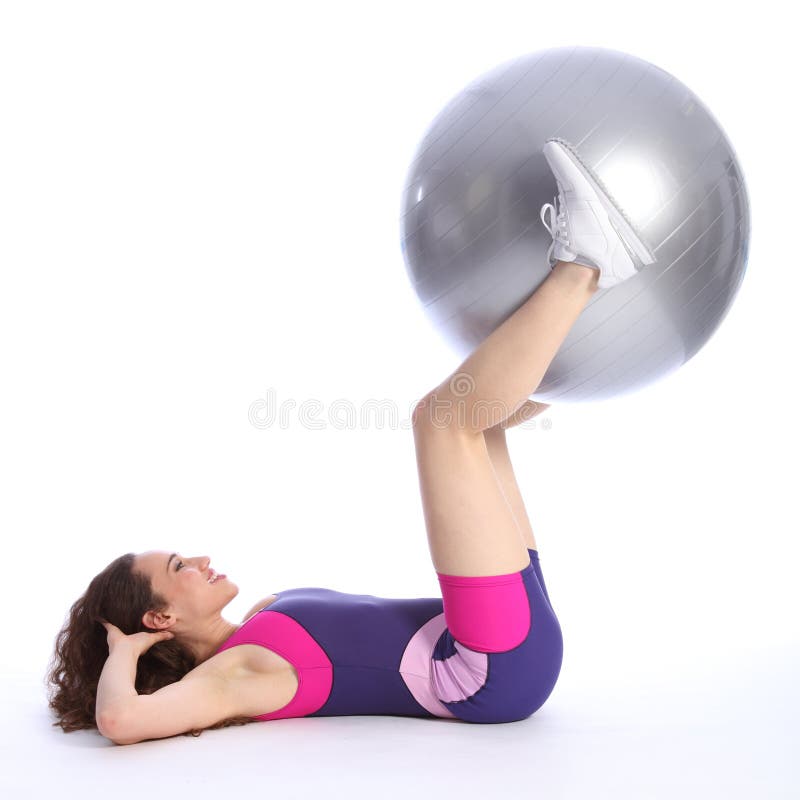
[[619, 219]]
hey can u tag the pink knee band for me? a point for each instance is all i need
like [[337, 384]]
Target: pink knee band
[[489, 614]]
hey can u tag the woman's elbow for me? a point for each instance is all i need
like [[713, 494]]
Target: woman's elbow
[[108, 725]]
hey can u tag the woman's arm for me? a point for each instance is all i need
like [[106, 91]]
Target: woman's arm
[[116, 688], [198, 700], [203, 697], [208, 694]]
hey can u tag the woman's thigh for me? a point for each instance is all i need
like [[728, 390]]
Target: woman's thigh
[[500, 656], [471, 527]]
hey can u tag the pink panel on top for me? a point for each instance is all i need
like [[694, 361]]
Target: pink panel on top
[[490, 614], [289, 639]]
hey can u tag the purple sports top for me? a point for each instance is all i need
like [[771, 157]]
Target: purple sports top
[[498, 661], [354, 653]]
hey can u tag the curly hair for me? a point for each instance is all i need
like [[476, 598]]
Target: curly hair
[[122, 596]]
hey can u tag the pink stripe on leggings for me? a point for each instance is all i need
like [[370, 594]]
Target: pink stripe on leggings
[[489, 614]]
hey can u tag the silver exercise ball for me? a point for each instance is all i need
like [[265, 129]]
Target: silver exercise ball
[[474, 246]]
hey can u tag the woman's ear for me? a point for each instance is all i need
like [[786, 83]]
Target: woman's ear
[[157, 621]]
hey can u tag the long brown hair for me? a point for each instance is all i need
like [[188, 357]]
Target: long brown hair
[[121, 596]]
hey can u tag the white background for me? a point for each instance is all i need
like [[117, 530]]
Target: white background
[[199, 205]]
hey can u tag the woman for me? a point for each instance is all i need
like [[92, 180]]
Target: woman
[[488, 650]]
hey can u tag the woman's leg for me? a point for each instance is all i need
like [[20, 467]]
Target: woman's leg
[[497, 448], [528, 410], [471, 525]]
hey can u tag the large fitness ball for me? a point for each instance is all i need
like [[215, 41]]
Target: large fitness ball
[[474, 245]]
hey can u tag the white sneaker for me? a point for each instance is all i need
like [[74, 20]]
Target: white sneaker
[[589, 227]]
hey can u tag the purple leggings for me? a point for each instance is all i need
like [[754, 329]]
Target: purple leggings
[[500, 656]]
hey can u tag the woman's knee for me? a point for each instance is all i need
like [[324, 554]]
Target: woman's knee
[[442, 410], [431, 413], [453, 406]]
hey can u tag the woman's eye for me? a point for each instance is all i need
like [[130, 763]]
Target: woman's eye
[[178, 565]]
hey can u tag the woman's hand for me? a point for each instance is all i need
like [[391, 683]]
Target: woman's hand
[[140, 642]]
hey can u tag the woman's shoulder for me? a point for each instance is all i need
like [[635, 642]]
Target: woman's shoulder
[[261, 680], [259, 606], [247, 659]]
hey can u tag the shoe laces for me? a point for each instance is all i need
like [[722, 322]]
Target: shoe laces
[[557, 226]]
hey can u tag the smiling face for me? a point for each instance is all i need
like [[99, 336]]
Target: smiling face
[[187, 584]]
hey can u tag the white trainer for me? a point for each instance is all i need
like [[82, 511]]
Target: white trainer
[[588, 226]]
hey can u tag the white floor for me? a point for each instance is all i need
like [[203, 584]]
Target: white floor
[[736, 736]]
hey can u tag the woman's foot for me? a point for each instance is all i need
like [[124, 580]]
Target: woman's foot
[[587, 225]]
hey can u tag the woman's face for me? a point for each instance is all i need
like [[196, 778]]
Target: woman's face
[[185, 584]]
